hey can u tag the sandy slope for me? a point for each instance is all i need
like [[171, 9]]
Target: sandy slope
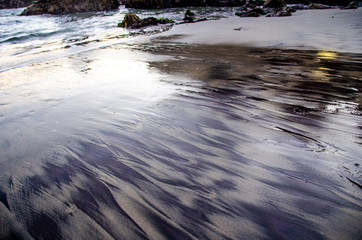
[[332, 29]]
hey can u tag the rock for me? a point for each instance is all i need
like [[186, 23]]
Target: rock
[[272, 8], [14, 3], [299, 6], [275, 4], [164, 20], [129, 20], [145, 22], [132, 21], [256, 12], [284, 12], [318, 6], [158, 4], [188, 19], [69, 6], [189, 16], [352, 5], [251, 8], [325, 2], [189, 13]]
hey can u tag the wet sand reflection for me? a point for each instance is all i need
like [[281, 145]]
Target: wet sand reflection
[[183, 142]]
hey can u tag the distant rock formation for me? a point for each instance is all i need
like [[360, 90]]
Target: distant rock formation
[[326, 2], [14, 3], [69, 6], [157, 4]]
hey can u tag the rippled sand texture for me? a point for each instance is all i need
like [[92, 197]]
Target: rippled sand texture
[[167, 141]]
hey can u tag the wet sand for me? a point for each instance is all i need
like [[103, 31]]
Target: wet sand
[[183, 142], [168, 140]]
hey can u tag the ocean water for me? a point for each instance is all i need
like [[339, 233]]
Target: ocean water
[[107, 133], [29, 39]]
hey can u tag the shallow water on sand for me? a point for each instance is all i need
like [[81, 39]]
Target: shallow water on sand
[[170, 141], [27, 40]]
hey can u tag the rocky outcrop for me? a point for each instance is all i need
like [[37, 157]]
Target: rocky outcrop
[[254, 12], [69, 6], [281, 12], [352, 5], [279, 8], [157, 4], [325, 2], [318, 6], [270, 8], [14, 3], [132, 21], [189, 16], [129, 20]]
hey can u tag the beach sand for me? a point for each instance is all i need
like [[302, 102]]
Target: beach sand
[[330, 29]]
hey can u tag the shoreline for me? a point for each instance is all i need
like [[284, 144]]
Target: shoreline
[[145, 138], [331, 30]]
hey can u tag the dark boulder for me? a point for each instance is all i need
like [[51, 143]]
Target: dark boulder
[[251, 8], [150, 21], [129, 20], [272, 8], [132, 21], [246, 12], [14, 3], [189, 16], [69, 6]]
